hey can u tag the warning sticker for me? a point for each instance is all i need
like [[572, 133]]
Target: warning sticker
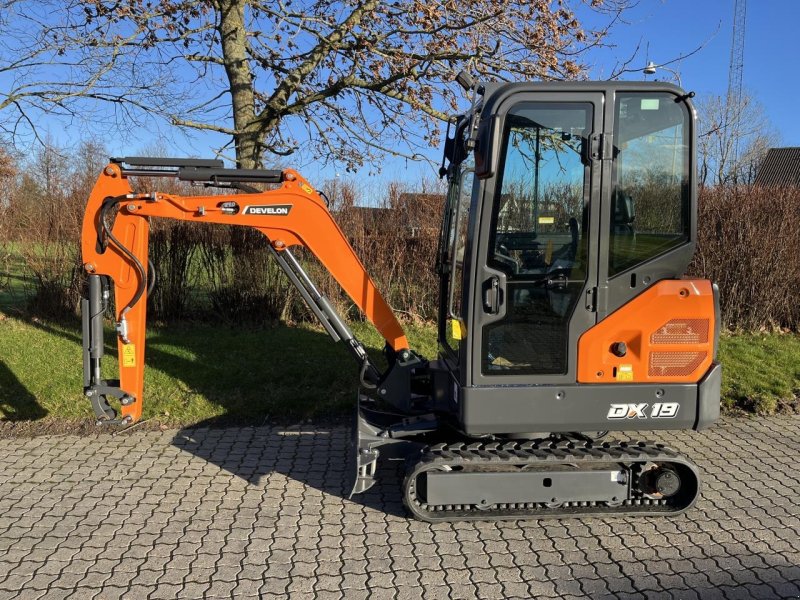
[[547, 220], [457, 330], [625, 373], [129, 355], [306, 188]]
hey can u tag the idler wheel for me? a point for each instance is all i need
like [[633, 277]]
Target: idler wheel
[[663, 482]]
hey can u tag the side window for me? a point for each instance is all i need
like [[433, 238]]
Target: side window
[[650, 203], [458, 244]]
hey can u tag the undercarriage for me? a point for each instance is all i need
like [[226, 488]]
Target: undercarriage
[[556, 475]]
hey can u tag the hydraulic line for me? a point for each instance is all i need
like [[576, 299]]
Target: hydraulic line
[[151, 271], [142, 284]]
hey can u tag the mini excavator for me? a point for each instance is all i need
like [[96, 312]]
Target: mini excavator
[[569, 221]]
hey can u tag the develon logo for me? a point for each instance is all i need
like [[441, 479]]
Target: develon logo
[[271, 210]]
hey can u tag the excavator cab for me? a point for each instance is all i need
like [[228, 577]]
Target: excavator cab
[[569, 222], [570, 219]]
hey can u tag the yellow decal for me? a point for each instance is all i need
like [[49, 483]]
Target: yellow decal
[[547, 220], [457, 330], [625, 373], [306, 188], [129, 355]]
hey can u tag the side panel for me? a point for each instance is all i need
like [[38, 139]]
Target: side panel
[[567, 408], [664, 335], [523, 410]]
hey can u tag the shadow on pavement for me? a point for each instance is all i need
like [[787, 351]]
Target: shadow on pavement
[[16, 402], [257, 364], [322, 458]]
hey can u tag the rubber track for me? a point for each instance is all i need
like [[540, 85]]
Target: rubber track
[[572, 453]]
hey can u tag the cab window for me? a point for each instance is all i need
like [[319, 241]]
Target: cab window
[[650, 201]]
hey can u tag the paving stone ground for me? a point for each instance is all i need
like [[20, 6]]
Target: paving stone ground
[[262, 512]]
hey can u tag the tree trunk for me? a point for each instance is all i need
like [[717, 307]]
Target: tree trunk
[[233, 36]]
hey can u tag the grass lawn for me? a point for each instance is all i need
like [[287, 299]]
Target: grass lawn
[[198, 372], [761, 372], [15, 280], [194, 372]]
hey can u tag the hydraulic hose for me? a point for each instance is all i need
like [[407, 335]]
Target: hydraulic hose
[[108, 204], [151, 271], [362, 375]]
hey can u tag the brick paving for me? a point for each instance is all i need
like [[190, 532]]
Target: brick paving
[[262, 512]]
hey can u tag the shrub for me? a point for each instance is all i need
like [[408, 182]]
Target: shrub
[[172, 249], [748, 244]]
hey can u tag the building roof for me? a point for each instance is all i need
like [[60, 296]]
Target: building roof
[[781, 166], [412, 211]]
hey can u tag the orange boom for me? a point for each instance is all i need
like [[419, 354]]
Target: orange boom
[[292, 215]]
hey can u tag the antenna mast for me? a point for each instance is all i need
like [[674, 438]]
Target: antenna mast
[[734, 96]]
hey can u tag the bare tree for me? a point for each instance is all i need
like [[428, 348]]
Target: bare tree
[[733, 140], [343, 80], [7, 172]]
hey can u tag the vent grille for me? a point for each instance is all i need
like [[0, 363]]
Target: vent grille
[[674, 364], [681, 331]]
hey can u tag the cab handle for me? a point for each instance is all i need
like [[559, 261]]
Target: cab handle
[[492, 296]]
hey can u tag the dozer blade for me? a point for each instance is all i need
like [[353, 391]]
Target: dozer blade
[[386, 435], [366, 458]]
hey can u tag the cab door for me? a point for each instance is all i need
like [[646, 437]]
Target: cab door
[[537, 258]]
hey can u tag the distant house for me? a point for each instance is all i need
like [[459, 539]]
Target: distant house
[[781, 167], [422, 213], [417, 214]]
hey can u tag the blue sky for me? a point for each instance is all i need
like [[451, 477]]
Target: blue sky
[[666, 29], [663, 30], [672, 27]]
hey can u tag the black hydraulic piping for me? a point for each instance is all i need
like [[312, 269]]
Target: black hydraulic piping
[[324, 311]]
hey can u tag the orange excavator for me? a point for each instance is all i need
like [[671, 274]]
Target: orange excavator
[[569, 220]]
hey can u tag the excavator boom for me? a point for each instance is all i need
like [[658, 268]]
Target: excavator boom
[[293, 214]]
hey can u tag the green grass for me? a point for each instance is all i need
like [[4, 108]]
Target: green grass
[[195, 372], [15, 280], [200, 372], [761, 372]]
